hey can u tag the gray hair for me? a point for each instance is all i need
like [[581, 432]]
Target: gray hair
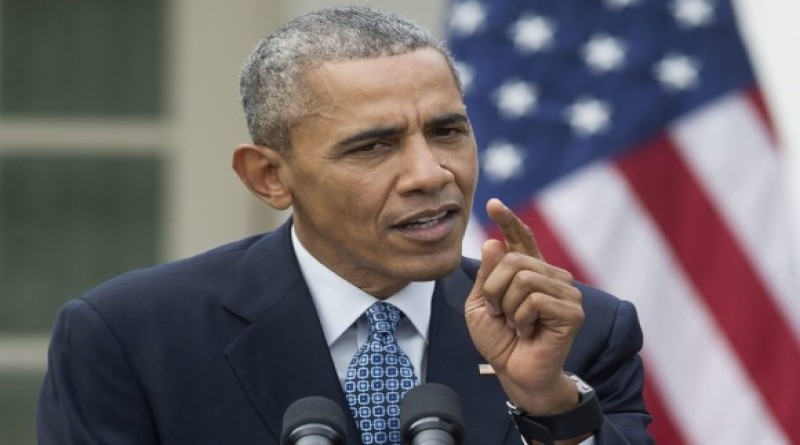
[[272, 82]]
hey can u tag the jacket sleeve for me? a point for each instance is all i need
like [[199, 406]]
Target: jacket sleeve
[[90, 393], [616, 372]]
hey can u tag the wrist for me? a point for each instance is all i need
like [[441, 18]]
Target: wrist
[[556, 397], [568, 427]]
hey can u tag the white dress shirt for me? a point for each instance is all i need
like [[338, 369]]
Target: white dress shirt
[[340, 306]]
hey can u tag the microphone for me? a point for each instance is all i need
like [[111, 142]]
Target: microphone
[[430, 414], [314, 421]]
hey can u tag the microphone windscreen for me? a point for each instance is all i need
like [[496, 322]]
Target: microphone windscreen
[[431, 400], [310, 410]]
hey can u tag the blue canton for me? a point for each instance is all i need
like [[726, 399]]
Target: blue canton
[[378, 377], [553, 86]]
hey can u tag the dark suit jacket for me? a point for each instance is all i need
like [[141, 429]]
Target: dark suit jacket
[[212, 349]]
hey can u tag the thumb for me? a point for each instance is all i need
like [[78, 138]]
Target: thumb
[[492, 252]]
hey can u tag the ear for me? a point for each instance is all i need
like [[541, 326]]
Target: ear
[[260, 169]]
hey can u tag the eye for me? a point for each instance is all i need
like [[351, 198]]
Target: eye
[[448, 132], [368, 148]]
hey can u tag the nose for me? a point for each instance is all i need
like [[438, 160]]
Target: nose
[[424, 169]]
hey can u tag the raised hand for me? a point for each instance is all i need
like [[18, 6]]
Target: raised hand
[[523, 315]]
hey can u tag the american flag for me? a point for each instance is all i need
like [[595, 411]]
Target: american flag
[[632, 137]]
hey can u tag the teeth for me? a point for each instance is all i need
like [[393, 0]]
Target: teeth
[[428, 221]]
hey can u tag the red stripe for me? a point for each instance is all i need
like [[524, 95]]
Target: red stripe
[[756, 100], [722, 274], [549, 244], [663, 429]]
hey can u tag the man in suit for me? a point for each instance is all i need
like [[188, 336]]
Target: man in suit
[[359, 127]]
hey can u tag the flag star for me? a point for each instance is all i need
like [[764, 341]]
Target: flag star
[[532, 33], [604, 53], [693, 13], [516, 98], [502, 161], [466, 17], [466, 74], [620, 4], [677, 72], [589, 116]]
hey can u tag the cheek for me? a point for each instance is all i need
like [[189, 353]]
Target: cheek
[[465, 169], [369, 188], [361, 202], [367, 203]]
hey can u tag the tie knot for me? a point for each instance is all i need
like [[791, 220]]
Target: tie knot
[[383, 318]]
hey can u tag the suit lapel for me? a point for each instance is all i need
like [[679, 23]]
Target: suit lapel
[[282, 355], [453, 361]]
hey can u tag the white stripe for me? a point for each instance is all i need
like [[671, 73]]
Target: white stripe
[[731, 155], [601, 224]]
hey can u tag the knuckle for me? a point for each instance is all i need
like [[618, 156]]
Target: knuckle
[[574, 294], [526, 230], [563, 275], [516, 259], [526, 279], [536, 299], [578, 316]]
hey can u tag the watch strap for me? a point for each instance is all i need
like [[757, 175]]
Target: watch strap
[[586, 417]]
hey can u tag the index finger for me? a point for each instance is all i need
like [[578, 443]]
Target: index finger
[[519, 237]]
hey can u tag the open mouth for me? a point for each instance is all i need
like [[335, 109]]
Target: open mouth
[[429, 221]]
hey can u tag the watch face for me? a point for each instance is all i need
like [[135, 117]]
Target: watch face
[[583, 387]]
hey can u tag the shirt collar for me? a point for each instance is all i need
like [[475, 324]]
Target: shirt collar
[[339, 303]]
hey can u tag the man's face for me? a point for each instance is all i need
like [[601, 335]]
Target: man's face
[[383, 169]]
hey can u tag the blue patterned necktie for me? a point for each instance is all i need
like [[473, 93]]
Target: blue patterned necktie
[[378, 377]]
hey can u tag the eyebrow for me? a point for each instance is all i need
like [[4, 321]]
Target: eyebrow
[[386, 132], [371, 134], [446, 119]]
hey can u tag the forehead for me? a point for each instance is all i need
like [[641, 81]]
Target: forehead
[[408, 77], [418, 65], [412, 85]]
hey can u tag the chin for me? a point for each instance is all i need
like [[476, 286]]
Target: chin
[[434, 267]]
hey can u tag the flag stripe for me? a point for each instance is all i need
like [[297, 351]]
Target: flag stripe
[[756, 99], [745, 189], [663, 425], [553, 249], [740, 302], [610, 235]]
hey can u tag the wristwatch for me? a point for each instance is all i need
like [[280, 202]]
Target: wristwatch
[[584, 418]]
